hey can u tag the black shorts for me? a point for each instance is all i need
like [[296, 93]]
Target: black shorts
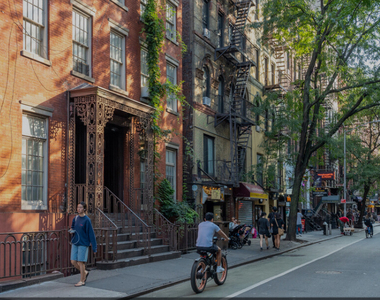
[[213, 249]]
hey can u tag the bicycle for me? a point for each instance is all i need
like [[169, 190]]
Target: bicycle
[[368, 232], [204, 268]]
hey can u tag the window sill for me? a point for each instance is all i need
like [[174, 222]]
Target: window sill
[[35, 57], [118, 90], [120, 5], [82, 76], [172, 112], [174, 42]]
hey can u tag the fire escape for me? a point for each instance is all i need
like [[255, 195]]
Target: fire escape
[[238, 115]]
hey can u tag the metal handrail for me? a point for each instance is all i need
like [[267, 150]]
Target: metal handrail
[[102, 214], [165, 229], [132, 218]]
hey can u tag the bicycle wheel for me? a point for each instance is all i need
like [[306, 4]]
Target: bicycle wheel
[[199, 276], [366, 234], [220, 278], [239, 244]]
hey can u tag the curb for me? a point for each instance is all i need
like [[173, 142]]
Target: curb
[[166, 285]]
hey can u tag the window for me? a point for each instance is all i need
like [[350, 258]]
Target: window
[[171, 75], [257, 65], [209, 160], [171, 19], [143, 4], [287, 60], [220, 31], [117, 59], [221, 95], [206, 82], [273, 73], [266, 71], [299, 71], [81, 43], [171, 156], [257, 114], [34, 162], [205, 14], [260, 177], [230, 31], [144, 68], [266, 120], [295, 69], [35, 31]]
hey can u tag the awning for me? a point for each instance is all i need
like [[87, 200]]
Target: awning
[[331, 199], [249, 191]]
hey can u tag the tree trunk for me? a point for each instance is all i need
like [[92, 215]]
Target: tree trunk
[[362, 209], [292, 224]]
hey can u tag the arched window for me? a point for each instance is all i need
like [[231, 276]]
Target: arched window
[[206, 82], [221, 95]]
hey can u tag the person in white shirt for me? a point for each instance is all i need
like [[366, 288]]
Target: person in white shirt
[[299, 223]]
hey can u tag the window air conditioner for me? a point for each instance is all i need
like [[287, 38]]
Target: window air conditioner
[[206, 33], [258, 129], [144, 92], [207, 101]]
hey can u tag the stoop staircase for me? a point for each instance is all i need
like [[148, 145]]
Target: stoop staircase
[[137, 243]]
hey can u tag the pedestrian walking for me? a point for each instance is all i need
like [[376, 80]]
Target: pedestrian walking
[[83, 236], [299, 223], [270, 217], [263, 225], [277, 225]]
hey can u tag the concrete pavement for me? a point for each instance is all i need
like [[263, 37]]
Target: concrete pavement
[[137, 280]]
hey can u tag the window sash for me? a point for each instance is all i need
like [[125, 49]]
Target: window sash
[[117, 59], [209, 159], [171, 75], [144, 68], [34, 10], [220, 30], [33, 161], [143, 4], [171, 16], [171, 169], [205, 14], [33, 37], [81, 42]]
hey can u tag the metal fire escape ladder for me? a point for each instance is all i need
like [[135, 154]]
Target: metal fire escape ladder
[[240, 124]]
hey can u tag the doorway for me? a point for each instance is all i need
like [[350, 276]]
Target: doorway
[[114, 141]]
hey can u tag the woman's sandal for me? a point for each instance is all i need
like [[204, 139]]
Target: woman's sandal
[[80, 283]]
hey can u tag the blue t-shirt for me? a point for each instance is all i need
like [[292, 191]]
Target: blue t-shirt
[[206, 231], [84, 235], [299, 218]]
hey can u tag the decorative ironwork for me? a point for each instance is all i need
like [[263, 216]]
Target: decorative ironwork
[[71, 161], [166, 230]]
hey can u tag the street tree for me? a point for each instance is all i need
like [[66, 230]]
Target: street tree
[[362, 155], [337, 43]]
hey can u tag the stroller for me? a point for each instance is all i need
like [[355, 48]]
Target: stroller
[[239, 236]]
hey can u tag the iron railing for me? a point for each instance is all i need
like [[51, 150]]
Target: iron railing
[[128, 220], [106, 233], [186, 236], [165, 230]]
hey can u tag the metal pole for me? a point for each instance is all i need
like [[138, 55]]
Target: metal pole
[[345, 170]]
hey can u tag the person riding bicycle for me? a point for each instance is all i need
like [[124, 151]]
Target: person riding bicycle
[[206, 232], [368, 222]]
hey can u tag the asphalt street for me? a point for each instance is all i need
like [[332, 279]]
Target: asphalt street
[[344, 267]]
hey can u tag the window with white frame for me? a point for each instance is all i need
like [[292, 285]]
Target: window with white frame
[[144, 68], [171, 75], [34, 27], [81, 43], [171, 157], [208, 154], [34, 162], [143, 4], [171, 20], [117, 59]]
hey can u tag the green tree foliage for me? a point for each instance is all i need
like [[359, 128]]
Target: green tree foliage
[[362, 155], [337, 44], [170, 208]]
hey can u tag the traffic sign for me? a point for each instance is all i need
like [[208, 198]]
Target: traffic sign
[[342, 200]]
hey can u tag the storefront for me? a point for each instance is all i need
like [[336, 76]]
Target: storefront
[[251, 200], [213, 201]]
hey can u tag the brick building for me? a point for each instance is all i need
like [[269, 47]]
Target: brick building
[[75, 111]]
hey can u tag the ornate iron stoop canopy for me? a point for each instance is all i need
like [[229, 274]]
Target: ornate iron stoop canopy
[[95, 106]]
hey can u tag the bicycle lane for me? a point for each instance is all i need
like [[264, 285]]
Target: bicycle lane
[[247, 277]]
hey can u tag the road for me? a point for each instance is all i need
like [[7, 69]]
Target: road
[[342, 267]]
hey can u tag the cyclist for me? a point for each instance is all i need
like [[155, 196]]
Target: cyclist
[[206, 232], [368, 222]]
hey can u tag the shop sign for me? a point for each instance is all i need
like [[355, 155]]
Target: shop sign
[[320, 192], [212, 193]]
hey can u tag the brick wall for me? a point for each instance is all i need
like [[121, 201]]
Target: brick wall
[[30, 81]]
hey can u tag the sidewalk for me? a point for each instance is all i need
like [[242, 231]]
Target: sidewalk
[[137, 280]]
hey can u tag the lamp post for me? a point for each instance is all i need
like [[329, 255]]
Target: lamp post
[[345, 164]]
